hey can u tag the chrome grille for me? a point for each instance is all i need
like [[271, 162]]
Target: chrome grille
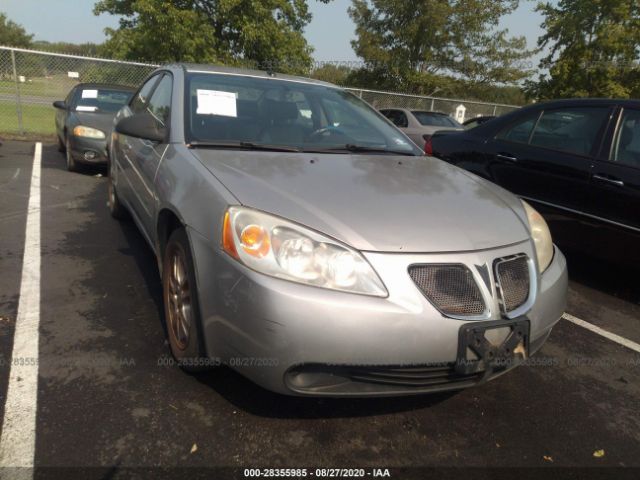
[[449, 287], [512, 277]]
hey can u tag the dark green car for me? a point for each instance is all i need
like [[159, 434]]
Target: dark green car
[[84, 120]]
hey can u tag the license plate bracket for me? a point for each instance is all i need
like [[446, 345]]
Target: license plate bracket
[[477, 353]]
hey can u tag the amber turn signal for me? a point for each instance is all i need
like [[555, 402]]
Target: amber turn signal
[[227, 237]]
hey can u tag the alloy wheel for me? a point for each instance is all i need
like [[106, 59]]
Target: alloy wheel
[[112, 189], [178, 298], [68, 156]]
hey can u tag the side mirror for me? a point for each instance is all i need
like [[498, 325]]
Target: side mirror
[[60, 105], [142, 126]]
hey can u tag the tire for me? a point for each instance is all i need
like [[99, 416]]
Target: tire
[[117, 210], [181, 307], [61, 147], [72, 165]]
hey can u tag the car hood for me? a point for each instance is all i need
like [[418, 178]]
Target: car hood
[[374, 202], [101, 121]]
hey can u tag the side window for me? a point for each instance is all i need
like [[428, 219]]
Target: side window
[[402, 120], [572, 130], [397, 117], [139, 102], [626, 149], [70, 96], [520, 131], [160, 103], [387, 113]]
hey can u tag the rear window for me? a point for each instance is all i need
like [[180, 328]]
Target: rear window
[[101, 100], [429, 119]]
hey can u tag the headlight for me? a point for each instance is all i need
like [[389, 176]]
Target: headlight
[[283, 249], [541, 236], [88, 132]]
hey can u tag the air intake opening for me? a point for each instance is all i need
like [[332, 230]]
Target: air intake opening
[[451, 288], [513, 281]]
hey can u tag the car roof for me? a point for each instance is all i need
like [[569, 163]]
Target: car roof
[[204, 68], [572, 102], [429, 112], [112, 86], [568, 102], [480, 118], [535, 108], [412, 110]]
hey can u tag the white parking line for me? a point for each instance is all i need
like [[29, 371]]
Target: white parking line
[[17, 443], [604, 333]]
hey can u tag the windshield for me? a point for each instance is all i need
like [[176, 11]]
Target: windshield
[[229, 108], [430, 119], [101, 100]]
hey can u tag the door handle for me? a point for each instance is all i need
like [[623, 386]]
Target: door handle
[[507, 157], [612, 181]]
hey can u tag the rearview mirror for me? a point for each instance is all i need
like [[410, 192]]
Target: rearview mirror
[[142, 126], [60, 105]]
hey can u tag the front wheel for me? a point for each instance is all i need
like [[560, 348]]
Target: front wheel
[[116, 208], [72, 166], [181, 307]]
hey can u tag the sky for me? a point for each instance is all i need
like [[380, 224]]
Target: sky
[[330, 31]]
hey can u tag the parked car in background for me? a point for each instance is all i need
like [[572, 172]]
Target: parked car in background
[[308, 244], [578, 161], [419, 125], [475, 121], [84, 121]]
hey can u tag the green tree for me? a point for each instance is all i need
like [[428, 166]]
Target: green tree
[[264, 33], [82, 49], [594, 46], [412, 44], [12, 34], [332, 73]]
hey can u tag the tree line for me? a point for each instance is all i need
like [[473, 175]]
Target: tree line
[[448, 48]]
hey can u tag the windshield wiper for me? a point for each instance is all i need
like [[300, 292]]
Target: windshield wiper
[[244, 145], [350, 147]]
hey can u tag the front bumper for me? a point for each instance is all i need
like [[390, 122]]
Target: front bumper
[[273, 331], [88, 150]]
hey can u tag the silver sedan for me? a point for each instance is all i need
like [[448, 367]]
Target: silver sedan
[[420, 125], [308, 244]]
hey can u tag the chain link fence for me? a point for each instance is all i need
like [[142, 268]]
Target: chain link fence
[[30, 81], [450, 106]]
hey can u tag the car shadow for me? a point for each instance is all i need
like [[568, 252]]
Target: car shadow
[[230, 385], [614, 279], [145, 260], [55, 160], [254, 399], [249, 397]]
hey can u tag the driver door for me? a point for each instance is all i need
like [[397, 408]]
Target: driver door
[[145, 155]]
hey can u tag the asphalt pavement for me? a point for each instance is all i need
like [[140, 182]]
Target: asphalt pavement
[[107, 396]]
